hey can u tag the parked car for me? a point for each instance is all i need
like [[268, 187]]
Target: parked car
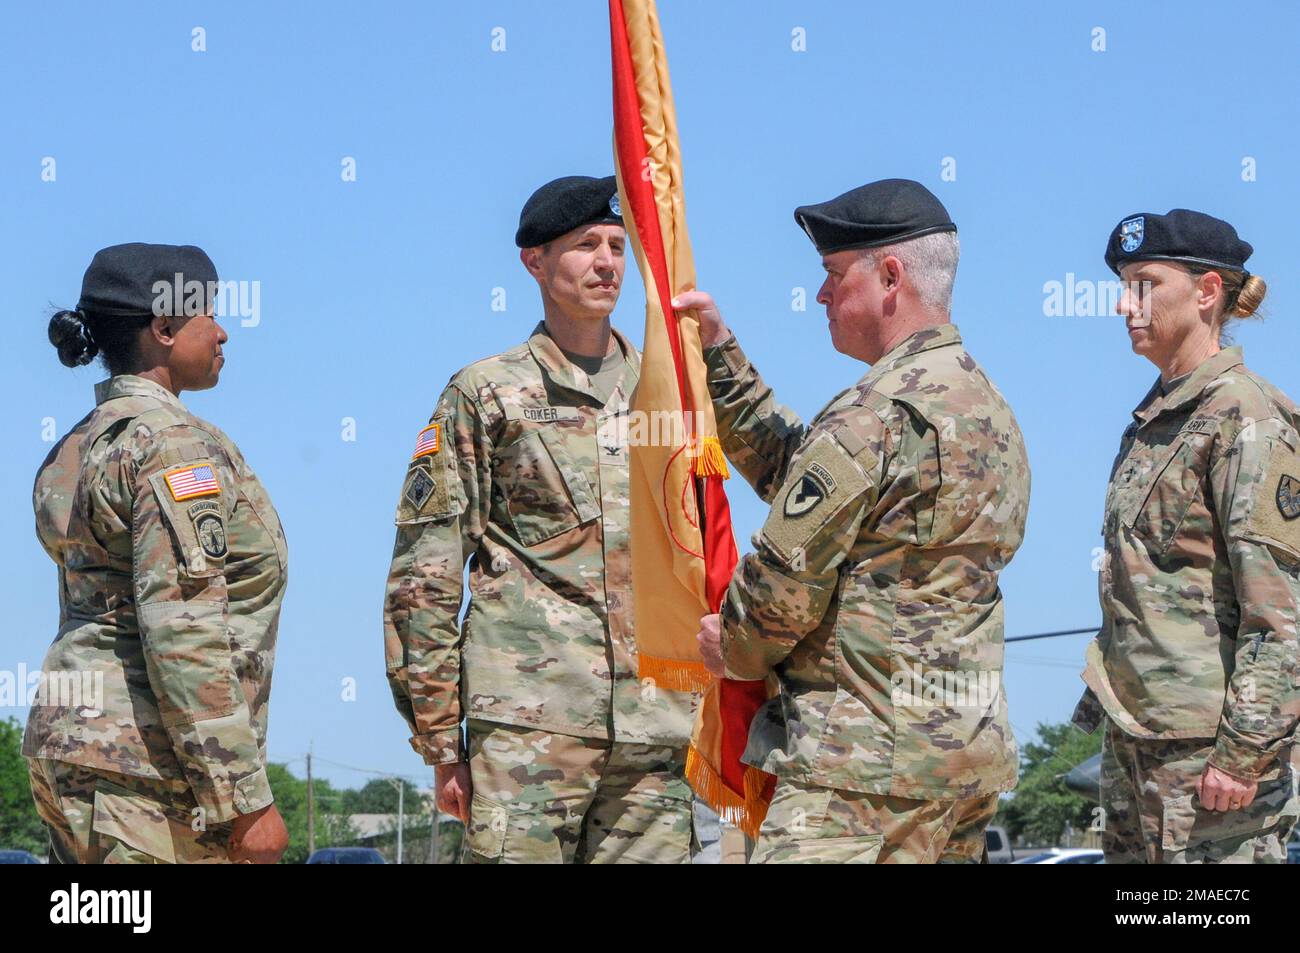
[[346, 855], [1065, 855], [17, 857], [998, 845], [1000, 850]]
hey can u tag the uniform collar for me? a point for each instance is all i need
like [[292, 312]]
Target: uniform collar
[[548, 354], [129, 385], [1190, 387], [926, 339]]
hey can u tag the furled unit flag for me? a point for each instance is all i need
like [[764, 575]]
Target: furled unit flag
[[683, 551]]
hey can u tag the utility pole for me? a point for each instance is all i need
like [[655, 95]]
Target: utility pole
[[433, 834], [311, 809], [400, 784]]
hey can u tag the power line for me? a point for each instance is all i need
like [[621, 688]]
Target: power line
[[1052, 635], [374, 771]]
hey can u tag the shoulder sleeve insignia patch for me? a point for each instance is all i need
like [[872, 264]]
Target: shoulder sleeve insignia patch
[[185, 483], [814, 486], [209, 527], [429, 441], [1288, 496], [418, 488]]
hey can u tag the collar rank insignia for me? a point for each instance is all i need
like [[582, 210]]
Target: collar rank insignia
[[1288, 497], [189, 482], [428, 442]]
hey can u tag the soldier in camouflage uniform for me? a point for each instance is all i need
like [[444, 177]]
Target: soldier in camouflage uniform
[[523, 471], [1195, 667], [873, 592], [147, 742]]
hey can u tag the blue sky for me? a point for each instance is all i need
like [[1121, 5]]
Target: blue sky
[[374, 292]]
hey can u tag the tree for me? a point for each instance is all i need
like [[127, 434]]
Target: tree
[[20, 825], [1043, 810], [332, 826], [379, 796]]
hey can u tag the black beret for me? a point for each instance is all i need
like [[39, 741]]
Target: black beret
[[879, 213], [1181, 235], [121, 280], [565, 204]]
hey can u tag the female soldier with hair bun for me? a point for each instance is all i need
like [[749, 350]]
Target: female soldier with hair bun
[[147, 742], [1195, 666]]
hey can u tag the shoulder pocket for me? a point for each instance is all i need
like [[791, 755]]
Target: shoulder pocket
[[822, 480], [190, 501], [428, 492], [1275, 511], [546, 492]]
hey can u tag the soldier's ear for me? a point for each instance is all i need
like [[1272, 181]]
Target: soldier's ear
[[891, 272], [532, 259], [162, 329], [1209, 291]]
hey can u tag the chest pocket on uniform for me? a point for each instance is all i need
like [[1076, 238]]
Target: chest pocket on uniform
[[1155, 506], [545, 491]]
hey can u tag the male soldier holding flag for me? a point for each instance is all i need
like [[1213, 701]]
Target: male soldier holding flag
[[523, 471], [873, 594]]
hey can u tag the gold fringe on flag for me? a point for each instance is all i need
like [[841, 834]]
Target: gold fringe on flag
[[674, 675], [745, 813], [710, 460]]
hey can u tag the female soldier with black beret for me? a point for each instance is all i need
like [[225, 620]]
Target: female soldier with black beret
[[1195, 667], [147, 742]]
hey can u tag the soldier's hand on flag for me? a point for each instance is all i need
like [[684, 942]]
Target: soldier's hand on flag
[[1220, 791], [452, 789], [712, 329], [710, 639]]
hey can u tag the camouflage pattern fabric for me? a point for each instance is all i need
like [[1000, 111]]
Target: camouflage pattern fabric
[[1201, 571], [873, 591], [542, 798], [815, 825], [522, 471], [99, 817], [1154, 816], [172, 567]]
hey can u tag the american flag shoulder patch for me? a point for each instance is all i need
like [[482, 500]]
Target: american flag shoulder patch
[[199, 479], [429, 441]]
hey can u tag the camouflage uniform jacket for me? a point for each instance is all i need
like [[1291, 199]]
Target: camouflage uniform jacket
[[522, 471], [873, 591], [172, 567], [1200, 574]]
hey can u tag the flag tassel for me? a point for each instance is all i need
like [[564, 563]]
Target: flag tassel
[[743, 812], [710, 460], [674, 675]]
